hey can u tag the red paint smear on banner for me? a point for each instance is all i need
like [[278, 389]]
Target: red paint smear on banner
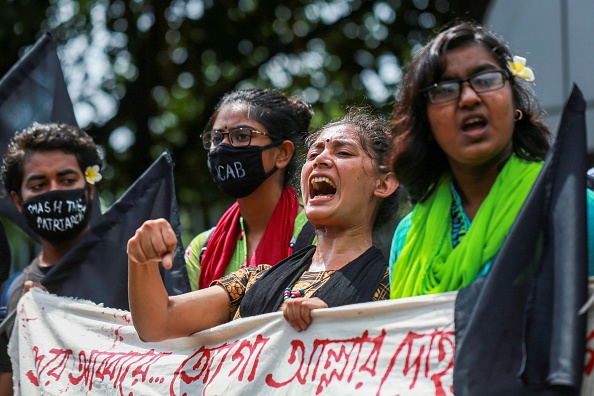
[[589, 366]]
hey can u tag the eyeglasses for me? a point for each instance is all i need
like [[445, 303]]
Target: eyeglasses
[[238, 137], [447, 91]]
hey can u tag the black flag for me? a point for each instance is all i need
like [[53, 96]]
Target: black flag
[[33, 90], [96, 268], [518, 330]]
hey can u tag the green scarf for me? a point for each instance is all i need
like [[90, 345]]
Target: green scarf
[[428, 263]]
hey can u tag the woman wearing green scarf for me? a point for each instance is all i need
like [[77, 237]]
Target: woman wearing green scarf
[[470, 145]]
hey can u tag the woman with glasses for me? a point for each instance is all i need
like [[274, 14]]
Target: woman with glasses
[[252, 140], [347, 188], [470, 146]]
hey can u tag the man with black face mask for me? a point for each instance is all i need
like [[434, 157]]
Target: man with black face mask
[[49, 171]]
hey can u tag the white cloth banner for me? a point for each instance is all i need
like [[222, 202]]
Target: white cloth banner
[[405, 347]]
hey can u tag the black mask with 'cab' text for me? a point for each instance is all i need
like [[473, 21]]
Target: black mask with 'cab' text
[[238, 171]]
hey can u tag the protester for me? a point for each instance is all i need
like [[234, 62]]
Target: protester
[[50, 170], [252, 139], [346, 188], [470, 144]]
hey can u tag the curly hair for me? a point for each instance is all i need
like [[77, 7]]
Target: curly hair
[[419, 162], [45, 137], [373, 132], [287, 119]]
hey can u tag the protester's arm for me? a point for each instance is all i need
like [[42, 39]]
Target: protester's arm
[[5, 367], [297, 311], [155, 315], [6, 383]]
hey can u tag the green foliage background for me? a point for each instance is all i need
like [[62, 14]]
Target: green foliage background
[[154, 70]]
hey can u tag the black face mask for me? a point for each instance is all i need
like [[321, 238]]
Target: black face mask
[[58, 216], [238, 171]]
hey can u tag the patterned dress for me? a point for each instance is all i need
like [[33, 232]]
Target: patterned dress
[[239, 282]]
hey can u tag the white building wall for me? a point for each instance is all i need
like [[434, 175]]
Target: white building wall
[[557, 39]]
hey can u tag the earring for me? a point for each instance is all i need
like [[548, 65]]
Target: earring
[[519, 115]]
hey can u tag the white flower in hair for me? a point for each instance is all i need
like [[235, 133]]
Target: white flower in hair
[[518, 68], [92, 174]]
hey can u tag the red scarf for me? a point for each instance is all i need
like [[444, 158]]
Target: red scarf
[[273, 247]]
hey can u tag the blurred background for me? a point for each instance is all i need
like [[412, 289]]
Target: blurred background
[[144, 76]]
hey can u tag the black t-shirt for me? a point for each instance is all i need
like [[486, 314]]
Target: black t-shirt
[[32, 272]]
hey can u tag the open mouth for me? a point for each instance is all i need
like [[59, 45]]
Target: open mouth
[[473, 124], [322, 187]]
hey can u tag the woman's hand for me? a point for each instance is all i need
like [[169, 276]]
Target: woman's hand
[[154, 241], [297, 311]]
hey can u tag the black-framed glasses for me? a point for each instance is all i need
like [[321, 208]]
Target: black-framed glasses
[[447, 91], [238, 137]]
